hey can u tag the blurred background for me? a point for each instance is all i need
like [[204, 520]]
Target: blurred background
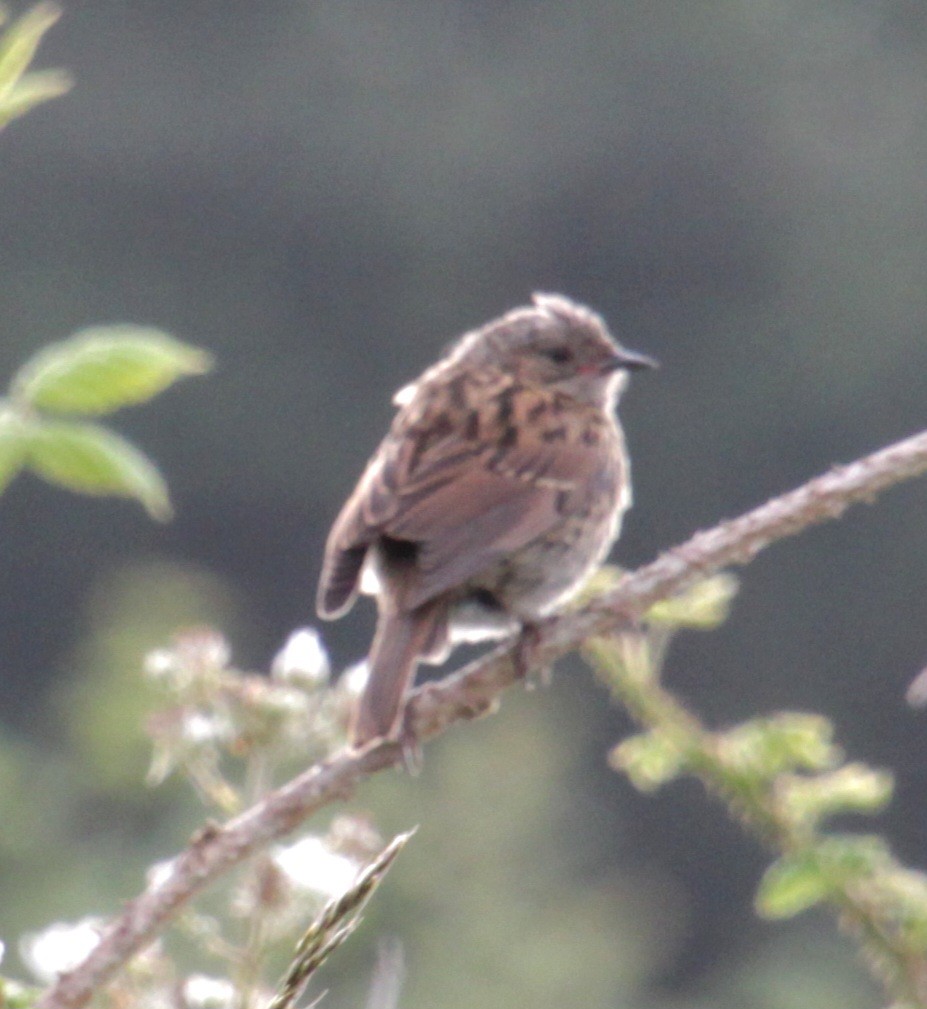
[[323, 193]]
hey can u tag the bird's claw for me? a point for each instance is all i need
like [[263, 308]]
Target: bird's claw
[[525, 657]]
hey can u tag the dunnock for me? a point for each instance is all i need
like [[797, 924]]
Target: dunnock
[[499, 488]]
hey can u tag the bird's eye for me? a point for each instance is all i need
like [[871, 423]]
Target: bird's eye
[[559, 355]]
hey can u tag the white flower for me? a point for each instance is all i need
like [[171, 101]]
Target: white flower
[[200, 728], [205, 992], [160, 663], [303, 660], [2, 950], [310, 864], [354, 678], [59, 948]]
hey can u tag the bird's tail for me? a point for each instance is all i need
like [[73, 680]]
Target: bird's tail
[[401, 641]]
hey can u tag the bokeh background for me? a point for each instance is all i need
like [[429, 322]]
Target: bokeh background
[[323, 193]]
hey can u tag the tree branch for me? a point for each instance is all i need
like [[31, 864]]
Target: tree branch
[[475, 690]]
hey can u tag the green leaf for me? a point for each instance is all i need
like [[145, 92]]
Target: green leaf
[[853, 857], [702, 607], [650, 759], [792, 884], [602, 580], [92, 460], [853, 788], [101, 369], [785, 741], [15, 995], [19, 43], [903, 892], [14, 441], [31, 90], [798, 881]]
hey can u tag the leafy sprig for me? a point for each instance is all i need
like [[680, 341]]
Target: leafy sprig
[[93, 373], [22, 89]]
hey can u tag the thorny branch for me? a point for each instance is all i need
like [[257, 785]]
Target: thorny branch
[[474, 690]]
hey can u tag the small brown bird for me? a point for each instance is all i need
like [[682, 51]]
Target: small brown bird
[[499, 488]]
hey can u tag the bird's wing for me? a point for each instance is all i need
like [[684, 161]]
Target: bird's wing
[[462, 499]]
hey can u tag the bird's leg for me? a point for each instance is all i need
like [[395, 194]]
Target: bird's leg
[[528, 667], [412, 756]]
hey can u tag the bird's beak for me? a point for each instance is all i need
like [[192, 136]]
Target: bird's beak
[[629, 360]]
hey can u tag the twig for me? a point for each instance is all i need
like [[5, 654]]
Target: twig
[[473, 691]]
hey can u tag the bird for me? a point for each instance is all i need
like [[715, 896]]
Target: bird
[[499, 488]]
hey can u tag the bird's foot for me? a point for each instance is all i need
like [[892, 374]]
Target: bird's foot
[[526, 656], [413, 758]]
